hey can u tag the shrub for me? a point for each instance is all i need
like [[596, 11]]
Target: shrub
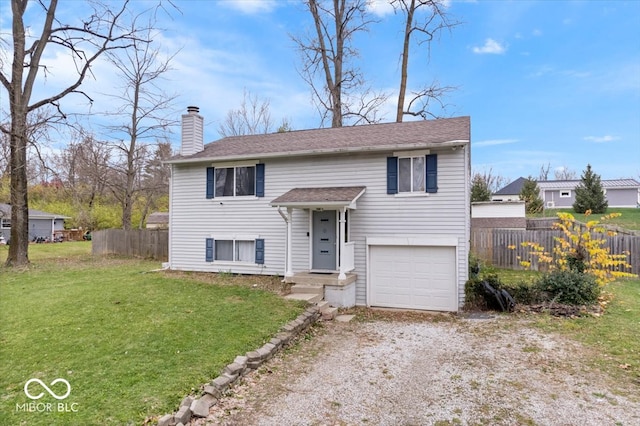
[[569, 287]]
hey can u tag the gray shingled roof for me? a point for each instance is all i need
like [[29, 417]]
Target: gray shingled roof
[[412, 134], [5, 211], [329, 195], [513, 188], [158, 218]]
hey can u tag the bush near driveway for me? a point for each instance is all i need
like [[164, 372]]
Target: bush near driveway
[[131, 343]]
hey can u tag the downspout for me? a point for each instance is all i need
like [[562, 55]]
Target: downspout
[[341, 235], [288, 258]]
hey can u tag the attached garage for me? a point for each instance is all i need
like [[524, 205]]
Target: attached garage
[[412, 276]]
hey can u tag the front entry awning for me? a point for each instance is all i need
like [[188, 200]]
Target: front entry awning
[[327, 197]]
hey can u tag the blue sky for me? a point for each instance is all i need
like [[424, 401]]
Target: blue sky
[[545, 82]]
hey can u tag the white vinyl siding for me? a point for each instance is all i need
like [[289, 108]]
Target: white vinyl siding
[[378, 214]]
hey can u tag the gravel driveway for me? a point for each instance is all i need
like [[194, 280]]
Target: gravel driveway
[[457, 371]]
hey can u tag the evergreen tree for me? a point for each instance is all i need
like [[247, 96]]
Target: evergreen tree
[[530, 194], [480, 189], [589, 193]]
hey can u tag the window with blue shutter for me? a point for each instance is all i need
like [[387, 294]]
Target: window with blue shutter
[[392, 175], [210, 182], [260, 251], [260, 180], [209, 250], [432, 173]]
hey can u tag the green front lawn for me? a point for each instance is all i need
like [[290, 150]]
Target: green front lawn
[[131, 342], [630, 218]]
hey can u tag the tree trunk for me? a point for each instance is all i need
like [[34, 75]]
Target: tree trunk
[[19, 247], [336, 89], [405, 61]]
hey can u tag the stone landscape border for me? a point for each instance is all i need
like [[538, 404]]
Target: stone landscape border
[[241, 365]]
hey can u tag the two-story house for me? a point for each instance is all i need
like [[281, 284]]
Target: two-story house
[[382, 209]]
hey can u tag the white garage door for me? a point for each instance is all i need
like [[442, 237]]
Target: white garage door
[[413, 277]]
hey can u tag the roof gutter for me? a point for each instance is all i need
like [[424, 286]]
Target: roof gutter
[[312, 152]]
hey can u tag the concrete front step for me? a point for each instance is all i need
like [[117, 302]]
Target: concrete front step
[[308, 297], [329, 313], [308, 288]]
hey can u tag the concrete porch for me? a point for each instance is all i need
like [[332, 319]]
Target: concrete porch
[[315, 287]]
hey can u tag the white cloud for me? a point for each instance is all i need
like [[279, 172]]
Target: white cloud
[[383, 8], [490, 46], [493, 142], [380, 7], [601, 139], [537, 32], [251, 7]]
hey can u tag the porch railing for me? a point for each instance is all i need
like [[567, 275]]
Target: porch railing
[[347, 263]]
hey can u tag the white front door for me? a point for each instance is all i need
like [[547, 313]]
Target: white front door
[[323, 250]]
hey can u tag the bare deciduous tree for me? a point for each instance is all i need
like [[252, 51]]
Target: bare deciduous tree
[[145, 114], [83, 169], [424, 20], [564, 173], [338, 86], [492, 182], [84, 42], [155, 180], [253, 117], [544, 172]]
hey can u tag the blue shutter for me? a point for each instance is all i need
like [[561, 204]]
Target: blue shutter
[[260, 180], [260, 251], [209, 250], [210, 182], [392, 175], [432, 173]]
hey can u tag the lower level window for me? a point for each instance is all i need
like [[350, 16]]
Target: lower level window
[[235, 250]]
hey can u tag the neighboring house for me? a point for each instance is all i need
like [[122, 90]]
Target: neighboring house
[[381, 210], [561, 193], [158, 220], [510, 192], [41, 224]]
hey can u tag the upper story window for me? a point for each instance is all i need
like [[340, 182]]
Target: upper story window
[[411, 173], [235, 181], [5, 223]]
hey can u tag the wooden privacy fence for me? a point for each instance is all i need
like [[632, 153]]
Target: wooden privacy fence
[[145, 243], [492, 246]]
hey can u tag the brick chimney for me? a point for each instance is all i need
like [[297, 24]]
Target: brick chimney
[[192, 132]]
